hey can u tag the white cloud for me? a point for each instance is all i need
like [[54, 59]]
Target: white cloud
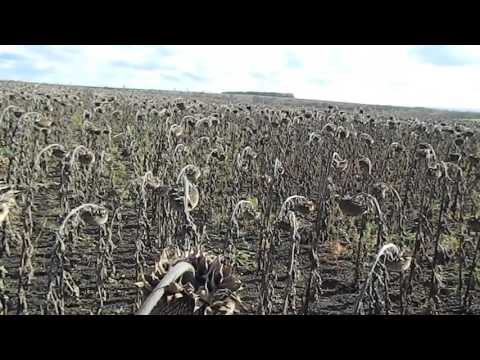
[[395, 75]]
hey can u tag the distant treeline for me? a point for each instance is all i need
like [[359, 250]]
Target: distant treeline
[[257, 93]]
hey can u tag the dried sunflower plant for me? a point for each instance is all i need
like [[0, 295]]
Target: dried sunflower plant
[[147, 202]]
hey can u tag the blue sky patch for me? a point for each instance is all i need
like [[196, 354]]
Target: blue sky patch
[[443, 55], [293, 62], [147, 66]]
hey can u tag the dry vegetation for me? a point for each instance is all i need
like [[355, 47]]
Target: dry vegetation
[[123, 202]]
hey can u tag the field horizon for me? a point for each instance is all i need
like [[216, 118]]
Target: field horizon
[[235, 96]]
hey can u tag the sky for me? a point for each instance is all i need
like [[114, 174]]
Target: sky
[[437, 76]]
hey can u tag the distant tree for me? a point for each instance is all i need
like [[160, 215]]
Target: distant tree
[[258, 93]]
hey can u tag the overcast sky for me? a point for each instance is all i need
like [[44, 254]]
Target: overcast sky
[[429, 76]]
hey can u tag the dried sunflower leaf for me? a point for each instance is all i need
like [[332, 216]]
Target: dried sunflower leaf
[[254, 201]]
